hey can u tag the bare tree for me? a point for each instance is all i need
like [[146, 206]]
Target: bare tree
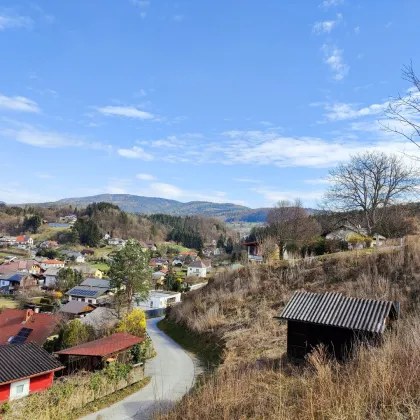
[[371, 182], [404, 111], [290, 223]]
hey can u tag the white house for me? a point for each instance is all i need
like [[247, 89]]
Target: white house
[[116, 242], [159, 299], [218, 251], [24, 240], [177, 261], [52, 264], [197, 269], [107, 236]]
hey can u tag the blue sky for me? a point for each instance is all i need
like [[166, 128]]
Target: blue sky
[[227, 101]]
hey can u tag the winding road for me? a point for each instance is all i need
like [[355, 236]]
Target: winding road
[[172, 372]]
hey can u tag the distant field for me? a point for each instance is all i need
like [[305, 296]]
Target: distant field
[[8, 303], [47, 232]]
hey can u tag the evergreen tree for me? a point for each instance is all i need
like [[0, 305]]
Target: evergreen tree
[[229, 246], [220, 242]]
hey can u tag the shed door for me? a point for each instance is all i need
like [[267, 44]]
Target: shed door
[[297, 340], [19, 389]]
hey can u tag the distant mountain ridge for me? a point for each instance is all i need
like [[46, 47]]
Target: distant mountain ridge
[[149, 205]]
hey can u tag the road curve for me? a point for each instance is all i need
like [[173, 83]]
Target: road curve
[[172, 373]]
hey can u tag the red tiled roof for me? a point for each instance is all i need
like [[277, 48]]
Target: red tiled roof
[[16, 265], [105, 346], [52, 262], [22, 238], [188, 253], [13, 320]]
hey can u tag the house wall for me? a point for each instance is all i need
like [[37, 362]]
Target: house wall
[[303, 337], [4, 392], [42, 382]]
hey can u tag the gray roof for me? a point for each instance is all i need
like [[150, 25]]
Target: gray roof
[[87, 291], [18, 361], [197, 264], [96, 283], [51, 271], [74, 307], [336, 310], [100, 317]]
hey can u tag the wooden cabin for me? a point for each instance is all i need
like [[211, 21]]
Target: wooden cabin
[[337, 321]]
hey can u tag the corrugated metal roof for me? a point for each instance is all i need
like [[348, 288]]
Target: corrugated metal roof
[[337, 310], [18, 361]]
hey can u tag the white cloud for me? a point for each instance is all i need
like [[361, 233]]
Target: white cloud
[[13, 21], [146, 177], [334, 58], [247, 180], [357, 30], [178, 18], [18, 103], [328, 3], [135, 153], [43, 175], [342, 111], [326, 26], [272, 195], [126, 111], [140, 3], [166, 190], [266, 123], [318, 181]]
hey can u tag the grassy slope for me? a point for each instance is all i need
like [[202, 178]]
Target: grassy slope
[[239, 308]]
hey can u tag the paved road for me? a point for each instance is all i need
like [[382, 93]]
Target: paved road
[[172, 372]]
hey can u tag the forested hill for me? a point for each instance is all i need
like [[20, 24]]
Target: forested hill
[[151, 205]]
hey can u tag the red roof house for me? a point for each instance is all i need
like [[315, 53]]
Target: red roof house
[[94, 354], [24, 326], [24, 369]]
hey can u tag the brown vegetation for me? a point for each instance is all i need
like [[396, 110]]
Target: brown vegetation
[[255, 381]]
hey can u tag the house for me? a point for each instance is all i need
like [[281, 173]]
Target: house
[[88, 294], [197, 269], [207, 252], [159, 299], [49, 245], [101, 319], [151, 246], [95, 282], [191, 254], [24, 240], [71, 219], [106, 236], [75, 256], [95, 354], [13, 282], [51, 276], [87, 271], [378, 240], [87, 252], [24, 266], [177, 262], [159, 276], [158, 262], [334, 320], [7, 240], [207, 263], [117, 242], [37, 327], [24, 369], [76, 309], [254, 252], [45, 264], [218, 251]]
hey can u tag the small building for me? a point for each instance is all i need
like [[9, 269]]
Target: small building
[[88, 294], [24, 369], [24, 240], [177, 262], [24, 266], [378, 240], [254, 252], [87, 252], [159, 299], [51, 277], [218, 251], [336, 321], [94, 355], [151, 246], [159, 276], [49, 245], [87, 271], [116, 242], [75, 256], [45, 264], [13, 282], [25, 325], [76, 309], [95, 282], [158, 262], [197, 269], [101, 319]]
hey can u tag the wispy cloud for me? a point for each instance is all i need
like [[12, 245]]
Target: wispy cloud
[[18, 103], [334, 58], [357, 30], [247, 180], [327, 25], [10, 20], [43, 175], [146, 177], [346, 111], [135, 153], [273, 195], [178, 18], [46, 17], [330, 3], [126, 111], [140, 3]]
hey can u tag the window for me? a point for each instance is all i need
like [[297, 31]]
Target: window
[[19, 389], [90, 301], [151, 303]]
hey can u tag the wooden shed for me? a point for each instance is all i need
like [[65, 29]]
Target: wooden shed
[[337, 321]]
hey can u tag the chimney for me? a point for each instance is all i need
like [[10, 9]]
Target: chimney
[[29, 313], [37, 309]]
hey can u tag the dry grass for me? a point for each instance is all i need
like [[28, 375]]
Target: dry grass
[[238, 308]]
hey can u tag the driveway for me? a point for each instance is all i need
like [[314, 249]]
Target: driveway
[[172, 373]]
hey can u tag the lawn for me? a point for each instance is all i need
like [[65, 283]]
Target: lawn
[[8, 303], [46, 232], [101, 266]]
